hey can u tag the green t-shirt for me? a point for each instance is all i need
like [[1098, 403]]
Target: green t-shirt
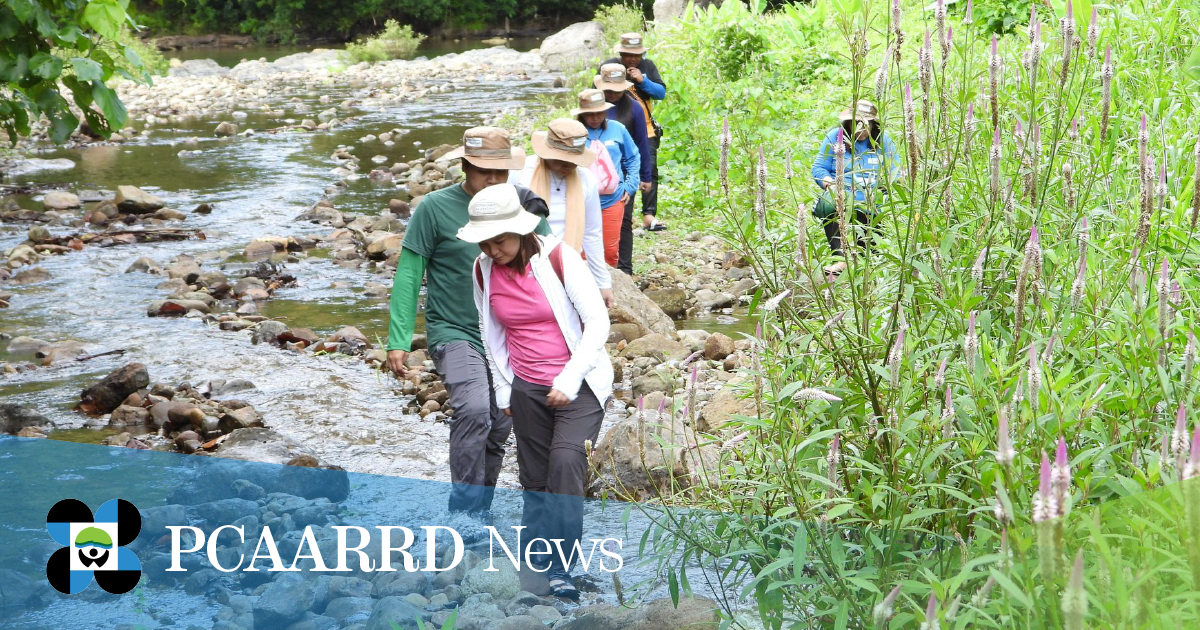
[[450, 313]]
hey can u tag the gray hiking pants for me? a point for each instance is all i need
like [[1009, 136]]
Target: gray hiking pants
[[478, 429]]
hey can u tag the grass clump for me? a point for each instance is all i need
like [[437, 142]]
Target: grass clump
[[395, 42]]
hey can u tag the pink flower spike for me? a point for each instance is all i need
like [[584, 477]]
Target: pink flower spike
[[971, 111], [931, 610], [1060, 455], [949, 34], [641, 403], [968, 15], [1108, 53], [996, 138], [927, 39], [695, 373], [993, 45], [1020, 129], [662, 405], [840, 135], [1094, 17], [1142, 128], [908, 92]]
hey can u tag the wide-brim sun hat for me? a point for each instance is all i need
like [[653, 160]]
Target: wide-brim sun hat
[[490, 148], [612, 78], [496, 210], [565, 140], [865, 111], [592, 102], [631, 44]]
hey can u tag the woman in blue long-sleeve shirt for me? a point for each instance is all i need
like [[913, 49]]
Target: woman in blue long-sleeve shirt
[[593, 113], [869, 151], [629, 113]]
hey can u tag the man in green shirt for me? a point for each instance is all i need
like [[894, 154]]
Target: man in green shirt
[[431, 250]]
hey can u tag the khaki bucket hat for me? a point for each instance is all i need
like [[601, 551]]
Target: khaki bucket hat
[[565, 140], [591, 101], [496, 210], [612, 77], [631, 44], [865, 111], [489, 147]]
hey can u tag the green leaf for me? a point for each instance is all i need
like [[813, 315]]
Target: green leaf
[[86, 69], [110, 104], [45, 65], [799, 551], [105, 17], [673, 586], [1012, 588]]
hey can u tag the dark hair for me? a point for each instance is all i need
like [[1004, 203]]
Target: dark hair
[[624, 107], [530, 247], [603, 121], [874, 132]]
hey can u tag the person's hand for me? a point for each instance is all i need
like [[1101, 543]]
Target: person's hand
[[645, 186], [635, 75], [625, 198], [395, 362], [609, 300], [508, 412], [826, 183], [556, 399]]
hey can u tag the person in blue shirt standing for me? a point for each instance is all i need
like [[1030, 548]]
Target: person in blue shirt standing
[[871, 161], [593, 113], [648, 86]]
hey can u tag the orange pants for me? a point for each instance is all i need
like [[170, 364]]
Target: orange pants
[[611, 222]]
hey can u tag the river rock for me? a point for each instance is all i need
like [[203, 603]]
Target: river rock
[[226, 129], [176, 415], [242, 418], [718, 346], [65, 350], [167, 214], [284, 600], [195, 67], [258, 445], [14, 418], [268, 332], [730, 401], [111, 391], [657, 347], [33, 275], [39, 234], [578, 43], [692, 613], [128, 416], [258, 250], [298, 335], [323, 214], [176, 307], [502, 584], [652, 382], [646, 457], [19, 591], [26, 345], [710, 300], [134, 200], [252, 288], [60, 200], [673, 301], [22, 255], [631, 306], [693, 339], [184, 268], [145, 264], [519, 622], [391, 613]]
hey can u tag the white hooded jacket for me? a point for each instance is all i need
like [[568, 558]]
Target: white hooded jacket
[[574, 300]]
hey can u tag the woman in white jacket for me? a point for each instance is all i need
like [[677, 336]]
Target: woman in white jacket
[[544, 326], [560, 175]]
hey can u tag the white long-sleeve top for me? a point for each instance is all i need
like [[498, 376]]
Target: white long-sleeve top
[[574, 301], [593, 225]]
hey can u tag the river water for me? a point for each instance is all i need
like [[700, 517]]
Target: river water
[[340, 409]]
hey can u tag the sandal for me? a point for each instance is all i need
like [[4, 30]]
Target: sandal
[[655, 226], [561, 586], [836, 269]]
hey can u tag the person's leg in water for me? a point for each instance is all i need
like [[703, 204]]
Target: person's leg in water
[[553, 460], [625, 251], [478, 429]]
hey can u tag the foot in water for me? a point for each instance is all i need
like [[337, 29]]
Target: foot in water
[[561, 585]]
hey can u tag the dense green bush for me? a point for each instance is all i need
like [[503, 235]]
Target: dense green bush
[[984, 420], [394, 42]]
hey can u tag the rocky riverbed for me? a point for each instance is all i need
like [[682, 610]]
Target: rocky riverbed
[[259, 212]]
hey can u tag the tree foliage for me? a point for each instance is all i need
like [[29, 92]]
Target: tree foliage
[[55, 49]]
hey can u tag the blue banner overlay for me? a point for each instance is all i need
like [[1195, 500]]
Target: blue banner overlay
[[98, 537]]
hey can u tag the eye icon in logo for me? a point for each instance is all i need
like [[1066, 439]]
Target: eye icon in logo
[[93, 546]]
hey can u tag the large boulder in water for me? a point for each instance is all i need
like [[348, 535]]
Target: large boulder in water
[[631, 306], [134, 200], [577, 44], [647, 456], [14, 417], [107, 395]]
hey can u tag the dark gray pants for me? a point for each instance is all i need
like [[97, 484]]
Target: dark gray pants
[[553, 462], [478, 429]]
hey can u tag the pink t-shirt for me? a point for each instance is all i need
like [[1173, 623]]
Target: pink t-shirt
[[536, 348]]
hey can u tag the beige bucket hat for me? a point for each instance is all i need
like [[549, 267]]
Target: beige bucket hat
[[612, 77], [591, 101], [565, 140], [489, 147], [865, 111], [496, 210], [631, 43]]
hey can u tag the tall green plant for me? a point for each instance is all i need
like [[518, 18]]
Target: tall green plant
[[1009, 352]]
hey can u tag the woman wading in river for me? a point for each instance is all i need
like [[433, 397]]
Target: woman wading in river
[[544, 325]]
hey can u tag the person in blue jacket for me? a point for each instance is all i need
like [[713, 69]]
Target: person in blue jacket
[[871, 161], [593, 113], [648, 86]]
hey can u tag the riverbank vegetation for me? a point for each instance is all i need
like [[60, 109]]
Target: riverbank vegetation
[[986, 419], [394, 42], [293, 20]]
